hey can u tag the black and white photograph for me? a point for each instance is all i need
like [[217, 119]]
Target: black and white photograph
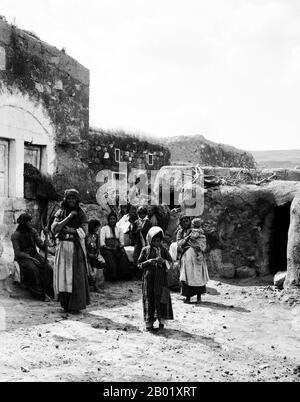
[[149, 194]]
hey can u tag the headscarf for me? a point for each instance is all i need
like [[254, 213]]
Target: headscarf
[[94, 223], [154, 231], [68, 193], [72, 192], [142, 210], [24, 218], [196, 223]]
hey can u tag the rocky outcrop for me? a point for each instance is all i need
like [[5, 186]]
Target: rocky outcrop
[[245, 272], [227, 271], [197, 149], [293, 248], [279, 279]]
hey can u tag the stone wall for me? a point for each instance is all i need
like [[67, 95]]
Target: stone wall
[[50, 77], [133, 150], [247, 228], [44, 102]]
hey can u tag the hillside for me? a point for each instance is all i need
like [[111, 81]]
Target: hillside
[[197, 149], [277, 159]]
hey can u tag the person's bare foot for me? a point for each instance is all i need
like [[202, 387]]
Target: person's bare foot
[[47, 299], [151, 329]]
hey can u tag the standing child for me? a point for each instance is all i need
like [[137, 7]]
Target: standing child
[[139, 232], [95, 260], [156, 295]]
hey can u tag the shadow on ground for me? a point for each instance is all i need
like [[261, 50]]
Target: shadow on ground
[[187, 336], [220, 306]]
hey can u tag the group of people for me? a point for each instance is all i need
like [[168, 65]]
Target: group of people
[[84, 250]]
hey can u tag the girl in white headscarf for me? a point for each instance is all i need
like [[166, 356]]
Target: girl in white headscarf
[[156, 295]]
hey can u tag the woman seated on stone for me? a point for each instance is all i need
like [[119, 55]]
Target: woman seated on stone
[[112, 250], [71, 267], [36, 273]]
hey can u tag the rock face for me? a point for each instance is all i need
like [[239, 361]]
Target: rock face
[[4, 268], [293, 247], [245, 225], [227, 271], [241, 223], [245, 272], [279, 279]]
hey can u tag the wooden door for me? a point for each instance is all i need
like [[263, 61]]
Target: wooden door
[[3, 168]]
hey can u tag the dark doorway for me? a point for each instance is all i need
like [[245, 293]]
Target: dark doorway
[[279, 238]]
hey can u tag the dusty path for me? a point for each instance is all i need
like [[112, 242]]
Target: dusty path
[[239, 333]]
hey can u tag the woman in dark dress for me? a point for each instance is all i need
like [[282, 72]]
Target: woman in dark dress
[[70, 271], [112, 250], [36, 273], [156, 295], [139, 232]]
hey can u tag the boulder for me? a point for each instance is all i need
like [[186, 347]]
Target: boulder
[[173, 276], [227, 271], [245, 272], [279, 279], [214, 262], [4, 266]]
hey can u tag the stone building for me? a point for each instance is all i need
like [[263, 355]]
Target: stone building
[[44, 132], [44, 104]]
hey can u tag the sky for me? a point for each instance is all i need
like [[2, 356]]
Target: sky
[[226, 69]]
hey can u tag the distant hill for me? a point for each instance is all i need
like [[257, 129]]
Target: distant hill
[[277, 159], [196, 149]]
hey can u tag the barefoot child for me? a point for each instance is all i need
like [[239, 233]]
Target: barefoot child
[[95, 260], [156, 295], [139, 232]]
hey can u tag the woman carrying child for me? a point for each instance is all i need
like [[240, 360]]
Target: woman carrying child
[[193, 269], [156, 295]]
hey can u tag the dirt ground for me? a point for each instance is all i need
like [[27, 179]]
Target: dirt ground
[[241, 332]]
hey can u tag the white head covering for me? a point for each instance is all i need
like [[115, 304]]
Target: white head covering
[[153, 232]]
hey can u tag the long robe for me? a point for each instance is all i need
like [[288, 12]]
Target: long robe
[[71, 268], [193, 268], [139, 237], [117, 264], [36, 276], [156, 295]]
